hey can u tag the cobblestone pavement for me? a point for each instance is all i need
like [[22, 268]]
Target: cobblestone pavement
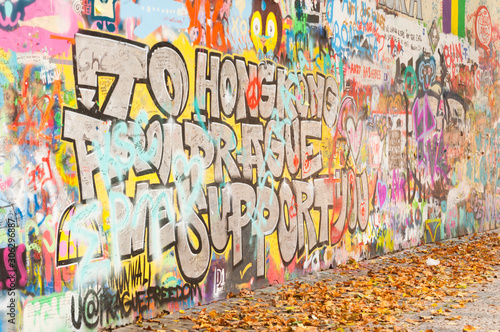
[[481, 314], [476, 309]]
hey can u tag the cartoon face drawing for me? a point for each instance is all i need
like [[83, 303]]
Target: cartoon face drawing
[[266, 26], [12, 11]]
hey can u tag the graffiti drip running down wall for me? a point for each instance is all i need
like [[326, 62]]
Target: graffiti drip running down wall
[[160, 154]]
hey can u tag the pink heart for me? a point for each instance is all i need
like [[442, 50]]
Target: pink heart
[[354, 135], [381, 193]]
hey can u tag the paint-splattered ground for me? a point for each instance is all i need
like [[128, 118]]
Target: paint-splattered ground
[[400, 292]]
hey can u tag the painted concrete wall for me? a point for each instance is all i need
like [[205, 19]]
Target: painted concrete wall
[[159, 153]]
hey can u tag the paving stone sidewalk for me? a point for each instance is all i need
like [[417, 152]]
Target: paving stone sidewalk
[[480, 309], [481, 314]]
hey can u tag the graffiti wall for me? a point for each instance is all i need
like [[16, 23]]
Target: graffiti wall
[[157, 154]]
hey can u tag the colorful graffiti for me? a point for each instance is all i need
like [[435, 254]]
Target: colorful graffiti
[[160, 154]]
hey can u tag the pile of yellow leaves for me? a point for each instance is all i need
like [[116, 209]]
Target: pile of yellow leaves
[[370, 295]]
